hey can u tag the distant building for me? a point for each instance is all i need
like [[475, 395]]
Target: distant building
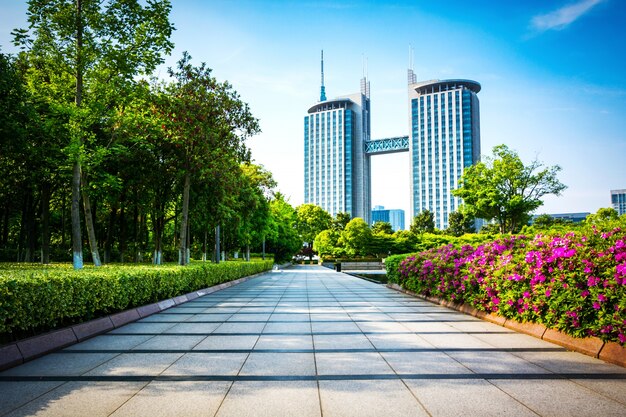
[[618, 200], [573, 217], [395, 217]]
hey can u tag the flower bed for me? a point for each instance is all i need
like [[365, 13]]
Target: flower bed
[[575, 283], [34, 299]]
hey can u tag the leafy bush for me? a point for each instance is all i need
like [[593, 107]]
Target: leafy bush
[[32, 297], [573, 282]]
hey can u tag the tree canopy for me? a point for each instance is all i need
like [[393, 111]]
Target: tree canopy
[[505, 190]]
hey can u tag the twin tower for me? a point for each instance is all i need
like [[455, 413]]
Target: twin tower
[[444, 125]]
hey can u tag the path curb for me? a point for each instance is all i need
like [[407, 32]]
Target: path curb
[[27, 349], [592, 346]]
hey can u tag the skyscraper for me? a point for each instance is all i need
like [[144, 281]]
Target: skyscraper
[[393, 216], [444, 140], [336, 167]]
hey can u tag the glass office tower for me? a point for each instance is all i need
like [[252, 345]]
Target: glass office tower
[[444, 140]]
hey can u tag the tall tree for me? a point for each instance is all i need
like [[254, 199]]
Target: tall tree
[[356, 237], [207, 121], [424, 222], [312, 219], [282, 239], [504, 189], [89, 44], [460, 222]]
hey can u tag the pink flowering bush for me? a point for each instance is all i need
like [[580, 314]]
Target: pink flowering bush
[[573, 282]]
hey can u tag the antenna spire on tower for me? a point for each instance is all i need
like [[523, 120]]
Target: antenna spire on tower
[[323, 89]]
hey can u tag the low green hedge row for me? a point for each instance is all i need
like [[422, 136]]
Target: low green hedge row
[[42, 299]]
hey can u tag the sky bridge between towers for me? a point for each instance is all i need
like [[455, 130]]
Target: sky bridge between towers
[[387, 145]]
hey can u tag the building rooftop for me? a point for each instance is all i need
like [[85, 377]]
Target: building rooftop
[[425, 87]]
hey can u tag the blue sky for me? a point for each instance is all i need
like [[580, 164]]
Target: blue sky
[[552, 75]]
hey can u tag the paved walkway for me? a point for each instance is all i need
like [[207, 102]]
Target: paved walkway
[[308, 341]]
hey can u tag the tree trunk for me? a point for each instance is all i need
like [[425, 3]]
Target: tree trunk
[[109, 237], [5, 225], [77, 246], [185, 218], [248, 253], [204, 248], [217, 245], [45, 223], [91, 232], [122, 226], [263, 254]]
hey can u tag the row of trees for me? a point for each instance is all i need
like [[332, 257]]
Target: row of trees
[[155, 166]]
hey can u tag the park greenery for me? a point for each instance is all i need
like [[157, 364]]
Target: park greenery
[[151, 169], [36, 299]]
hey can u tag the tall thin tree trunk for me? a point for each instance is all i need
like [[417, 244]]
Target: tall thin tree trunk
[[217, 244], [185, 218], [77, 246], [109, 237], [122, 226], [45, 223], [204, 248], [91, 232]]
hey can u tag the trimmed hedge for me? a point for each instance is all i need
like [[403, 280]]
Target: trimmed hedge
[[573, 282], [33, 298]]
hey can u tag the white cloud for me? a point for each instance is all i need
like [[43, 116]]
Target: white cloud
[[561, 18]]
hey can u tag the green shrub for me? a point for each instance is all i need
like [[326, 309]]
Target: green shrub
[[33, 297], [392, 265]]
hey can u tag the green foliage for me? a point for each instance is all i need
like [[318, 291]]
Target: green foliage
[[356, 237], [459, 223], [392, 266], [311, 220], [326, 244], [340, 221], [36, 298], [505, 189], [384, 228], [423, 223], [282, 239]]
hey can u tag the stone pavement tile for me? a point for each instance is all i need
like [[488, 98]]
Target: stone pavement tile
[[152, 328], [213, 363], [291, 310], [325, 327], [369, 317], [209, 316], [17, 393], [304, 317], [465, 397], [261, 363], [330, 316], [386, 327], [60, 364], [560, 398], [430, 327], [322, 306], [240, 328], [185, 398], [294, 327], [110, 342], [569, 362], [614, 389], [249, 317], [423, 363], [166, 317], [516, 340], [222, 310], [368, 398], [397, 341], [457, 341], [187, 308], [171, 342], [200, 328], [80, 399], [496, 362], [284, 342], [271, 399], [227, 343], [480, 326], [335, 341], [405, 316], [356, 363], [136, 364]]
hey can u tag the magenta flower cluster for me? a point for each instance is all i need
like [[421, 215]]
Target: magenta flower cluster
[[574, 282]]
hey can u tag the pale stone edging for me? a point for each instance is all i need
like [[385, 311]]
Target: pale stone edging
[[592, 346], [27, 349]]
